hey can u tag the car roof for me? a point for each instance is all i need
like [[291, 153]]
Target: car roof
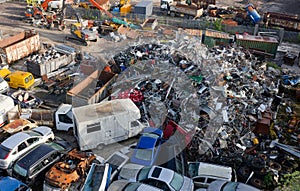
[[8, 183], [146, 142], [162, 174], [41, 129], [35, 155], [14, 140], [130, 170]]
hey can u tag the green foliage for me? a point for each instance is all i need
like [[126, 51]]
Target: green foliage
[[273, 65], [218, 25], [290, 182]]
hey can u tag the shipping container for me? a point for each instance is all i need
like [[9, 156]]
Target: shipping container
[[144, 8], [258, 44], [92, 89], [19, 46], [215, 38], [286, 21]]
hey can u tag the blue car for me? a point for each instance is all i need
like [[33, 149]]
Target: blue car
[[8, 183], [147, 147]]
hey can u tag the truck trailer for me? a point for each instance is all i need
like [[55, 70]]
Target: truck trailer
[[181, 9]]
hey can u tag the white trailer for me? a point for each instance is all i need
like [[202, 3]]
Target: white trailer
[[106, 122], [6, 104]]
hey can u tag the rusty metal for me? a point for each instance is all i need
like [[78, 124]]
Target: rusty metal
[[20, 46], [287, 21], [69, 170]]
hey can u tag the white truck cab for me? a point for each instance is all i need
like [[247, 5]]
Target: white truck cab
[[165, 3], [64, 118], [4, 88]]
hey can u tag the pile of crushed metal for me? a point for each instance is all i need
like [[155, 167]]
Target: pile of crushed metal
[[243, 111]]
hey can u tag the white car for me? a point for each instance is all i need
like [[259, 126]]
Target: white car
[[20, 143], [221, 185], [204, 173], [156, 176]]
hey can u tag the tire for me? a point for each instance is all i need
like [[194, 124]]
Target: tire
[[257, 182], [172, 14]]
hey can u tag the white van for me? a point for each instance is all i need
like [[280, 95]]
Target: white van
[[204, 173], [6, 104], [4, 87]]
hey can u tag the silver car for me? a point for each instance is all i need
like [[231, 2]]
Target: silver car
[[156, 176], [221, 185], [130, 186], [20, 143]]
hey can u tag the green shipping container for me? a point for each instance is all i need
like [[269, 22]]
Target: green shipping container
[[267, 45]]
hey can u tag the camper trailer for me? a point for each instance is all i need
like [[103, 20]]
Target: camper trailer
[[6, 104], [106, 122]]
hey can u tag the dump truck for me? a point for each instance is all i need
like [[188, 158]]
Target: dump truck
[[106, 122], [181, 9], [19, 46]]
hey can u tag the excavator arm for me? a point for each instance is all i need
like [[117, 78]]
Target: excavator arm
[[101, 9]]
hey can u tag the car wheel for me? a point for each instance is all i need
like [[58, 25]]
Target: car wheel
[[258, 183]]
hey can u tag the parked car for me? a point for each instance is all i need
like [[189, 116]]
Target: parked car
[[68, 171], [116, 160], [147, 147], [204, 173], [124, 185], [8, 183], [19, 125], [20, 143], [98, 177], [32, 166], [221, 185], [156, 176]]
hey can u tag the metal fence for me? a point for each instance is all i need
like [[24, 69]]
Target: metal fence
[[202, 24]]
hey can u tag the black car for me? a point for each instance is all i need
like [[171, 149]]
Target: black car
[[32, 166]]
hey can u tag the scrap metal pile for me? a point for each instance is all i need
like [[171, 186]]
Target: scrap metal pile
[[226, 96]]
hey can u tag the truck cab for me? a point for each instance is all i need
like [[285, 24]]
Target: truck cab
[[64, 118], [165, 4]]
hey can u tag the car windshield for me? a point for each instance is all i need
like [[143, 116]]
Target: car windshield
[[18, 169], [33, 133], [56, 146], [1, 79], [144, 154], [177, 181], [152, 135], [193, 169], [229, 186], [4, 152], [132, 186], [143, 174]]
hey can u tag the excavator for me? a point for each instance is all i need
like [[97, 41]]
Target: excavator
[[34, 9], [85, 35]]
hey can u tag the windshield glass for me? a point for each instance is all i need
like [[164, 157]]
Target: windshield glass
[[229, 186], [144, 154], [132, 186], [177, 181], [3, 152], [1, 79], [19, 170], [143, 174]]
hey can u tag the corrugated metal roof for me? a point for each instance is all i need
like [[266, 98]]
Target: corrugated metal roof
[[256, 38], [217, 34]]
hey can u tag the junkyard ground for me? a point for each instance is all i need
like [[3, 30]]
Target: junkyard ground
[[11, 15]]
